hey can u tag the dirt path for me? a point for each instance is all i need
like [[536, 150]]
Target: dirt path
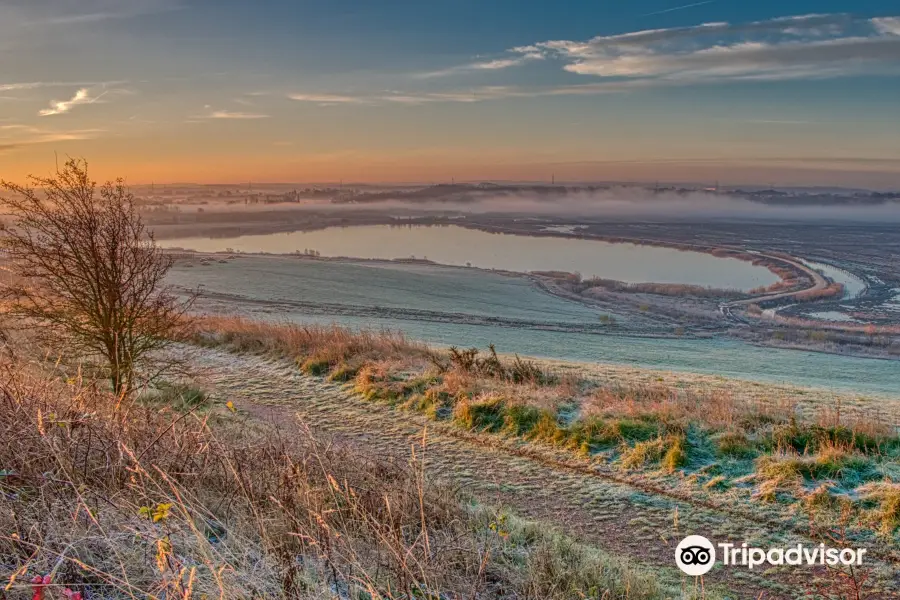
[[819, 283], [614, 516]]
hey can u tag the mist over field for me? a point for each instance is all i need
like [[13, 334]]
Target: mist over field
[[640, 203]]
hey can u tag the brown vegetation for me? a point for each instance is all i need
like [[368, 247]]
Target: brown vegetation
[[832, 290], [87, 274], [317, 349], [574, 282], [128, 501], [708, 437]]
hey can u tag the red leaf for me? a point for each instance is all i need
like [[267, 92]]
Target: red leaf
[[38, 584]]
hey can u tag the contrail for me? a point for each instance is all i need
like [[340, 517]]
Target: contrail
[[668, 10]]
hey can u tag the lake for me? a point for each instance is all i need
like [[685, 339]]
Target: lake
[[454, 245]]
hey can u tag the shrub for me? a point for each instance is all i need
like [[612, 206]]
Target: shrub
[[469, 362], [464, 361], [89, 276], [524, 371]]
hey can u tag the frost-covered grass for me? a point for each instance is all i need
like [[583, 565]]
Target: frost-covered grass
[[690, 434], [118, 499]]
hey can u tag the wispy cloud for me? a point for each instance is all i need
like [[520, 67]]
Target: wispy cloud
[[888, 25], [469, 95], [16, 135], [59, 107], [794, 47], [327, 99], [33, 85], [799, 47], [15, 87], [677, 8], [227, 114], [811, 46], [31, 14], [486, 65], [398, 97]]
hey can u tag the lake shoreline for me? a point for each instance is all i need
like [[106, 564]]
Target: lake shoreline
[[782, 269], [615, 331]]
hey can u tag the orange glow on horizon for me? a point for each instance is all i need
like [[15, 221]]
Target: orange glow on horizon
[[277, 168]]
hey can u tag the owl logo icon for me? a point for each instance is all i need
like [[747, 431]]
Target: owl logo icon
[[695, 555]]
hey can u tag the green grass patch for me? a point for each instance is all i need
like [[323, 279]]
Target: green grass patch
[[735, 445], [318, 366], [483, 415], [883, 501], [810, 438], [520, 420], [670, 451], [632, 430], [343, 372], [182, 397], [835, 464]]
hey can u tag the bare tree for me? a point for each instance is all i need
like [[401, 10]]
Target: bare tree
[[86, 270]]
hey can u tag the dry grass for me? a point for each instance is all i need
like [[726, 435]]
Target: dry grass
[[715, 409], [316, 349], [127, 501], [884, 496], [782, 443]]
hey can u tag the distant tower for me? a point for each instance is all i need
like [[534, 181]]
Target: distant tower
[[553, 179]]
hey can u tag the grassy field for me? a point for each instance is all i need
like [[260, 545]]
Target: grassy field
[[785, 448], [176, 497], [318, 462]]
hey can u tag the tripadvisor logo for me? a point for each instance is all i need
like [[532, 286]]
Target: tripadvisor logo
[[695, 555]]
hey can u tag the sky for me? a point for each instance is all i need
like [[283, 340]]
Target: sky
[[785, 92]]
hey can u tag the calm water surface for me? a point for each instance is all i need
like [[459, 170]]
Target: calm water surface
[[853, 286], [453, 245]]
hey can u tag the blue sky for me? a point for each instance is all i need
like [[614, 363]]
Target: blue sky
[[789, 91]]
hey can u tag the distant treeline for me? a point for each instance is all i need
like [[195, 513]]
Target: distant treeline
[[473, 192]]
